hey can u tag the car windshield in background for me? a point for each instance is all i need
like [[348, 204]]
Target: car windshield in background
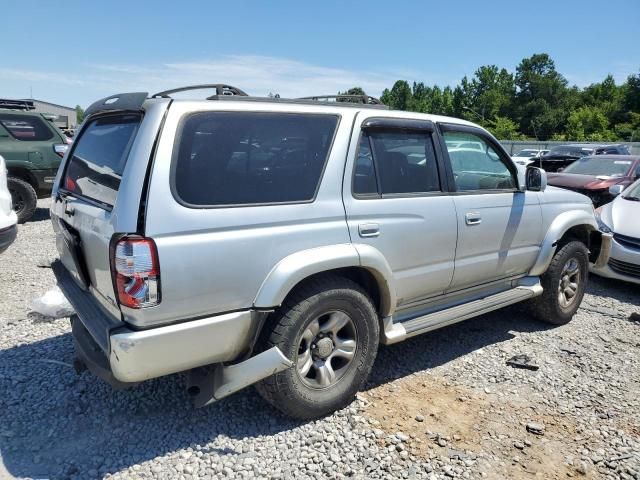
[[570, 151], [229, 158], [599, 166], [633, 191], [26, 127], [527, 153], [99, 157]]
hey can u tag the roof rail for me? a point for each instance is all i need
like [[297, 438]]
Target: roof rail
[[364, 99], [221, 89], [17, 104]]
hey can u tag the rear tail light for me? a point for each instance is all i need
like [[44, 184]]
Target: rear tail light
[[60, 149], [137, 272]]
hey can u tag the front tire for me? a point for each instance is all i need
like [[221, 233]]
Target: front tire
[[23, 197], [564, 284], [329, 328]]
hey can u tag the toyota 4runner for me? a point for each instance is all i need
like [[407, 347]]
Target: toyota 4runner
[[277, 242]]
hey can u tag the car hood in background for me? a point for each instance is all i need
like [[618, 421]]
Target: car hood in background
[[622, 217], [587, 182]]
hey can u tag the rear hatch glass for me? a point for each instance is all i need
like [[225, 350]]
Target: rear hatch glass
[[99, 156]]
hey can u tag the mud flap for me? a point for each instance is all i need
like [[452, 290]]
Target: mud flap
[[208, 384]]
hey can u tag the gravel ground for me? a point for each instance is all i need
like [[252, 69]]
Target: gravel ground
[[439, 406]]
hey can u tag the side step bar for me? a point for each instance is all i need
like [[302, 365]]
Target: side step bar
[[396, 332]]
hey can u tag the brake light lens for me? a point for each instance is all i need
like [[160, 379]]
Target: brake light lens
[[137, 272], [60, 149]]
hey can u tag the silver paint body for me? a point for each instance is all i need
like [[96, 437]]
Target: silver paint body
[[421, 251]]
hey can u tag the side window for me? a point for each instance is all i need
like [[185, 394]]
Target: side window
[[476, 164], [364, 175], [405, 162], [243, 158], [26, 127]]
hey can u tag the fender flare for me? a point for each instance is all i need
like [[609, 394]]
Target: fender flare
[[560, 225], [293, 269]]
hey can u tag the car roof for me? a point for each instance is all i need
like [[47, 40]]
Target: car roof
[[295, 105]]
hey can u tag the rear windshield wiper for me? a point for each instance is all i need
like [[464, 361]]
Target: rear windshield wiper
[[633, 199]]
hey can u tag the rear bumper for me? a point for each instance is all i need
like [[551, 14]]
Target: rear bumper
[[119, 354], [7, 236], [44, 180]]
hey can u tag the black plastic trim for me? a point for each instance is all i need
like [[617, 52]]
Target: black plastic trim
[[385, 123], [120, 101], [94, 319]]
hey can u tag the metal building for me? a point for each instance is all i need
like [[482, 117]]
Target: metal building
[[66, 115]]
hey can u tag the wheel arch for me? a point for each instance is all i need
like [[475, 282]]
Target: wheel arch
[[575, 224], [362, 264], [23, 174]]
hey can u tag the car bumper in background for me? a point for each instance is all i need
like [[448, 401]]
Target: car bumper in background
[[44, 179], [623, 264], [7, 236], [121, 355]]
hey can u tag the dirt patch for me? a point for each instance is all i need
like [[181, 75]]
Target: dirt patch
[[452, 424]]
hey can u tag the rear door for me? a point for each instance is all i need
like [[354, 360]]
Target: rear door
[[395, 198], [97, 194], [499, 226]]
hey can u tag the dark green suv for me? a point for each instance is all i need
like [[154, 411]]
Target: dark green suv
[[32, 148]]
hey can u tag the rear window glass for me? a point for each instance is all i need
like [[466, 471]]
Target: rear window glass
[[99, 157], [26, 127], [228, 158]]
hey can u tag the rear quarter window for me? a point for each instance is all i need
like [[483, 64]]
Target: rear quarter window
[[99, 157], [243, 158], [26, 127]]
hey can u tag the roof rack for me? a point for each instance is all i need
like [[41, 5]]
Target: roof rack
[[220, 88], [364, 99], [17, 104]]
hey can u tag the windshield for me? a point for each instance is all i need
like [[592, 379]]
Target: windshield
[[98, 159], [599, 166], [569, 150], [527, 153], [633, 191]]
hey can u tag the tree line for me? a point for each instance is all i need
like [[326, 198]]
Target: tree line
[[536, 102]]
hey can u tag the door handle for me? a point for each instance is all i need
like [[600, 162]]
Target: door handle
[[473, 218], [369, 229]]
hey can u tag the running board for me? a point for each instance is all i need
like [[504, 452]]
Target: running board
[[396, 332]]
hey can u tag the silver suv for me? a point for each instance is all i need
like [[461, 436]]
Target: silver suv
[[272, 241]]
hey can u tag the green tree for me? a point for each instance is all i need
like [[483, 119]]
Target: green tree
[[543, 99], [589, 123], [351, 91], [79, 114], [399, 97], [504, 128]]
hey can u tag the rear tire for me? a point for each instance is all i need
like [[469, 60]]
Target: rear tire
[[564, 283], [329, 328], [24, 198]]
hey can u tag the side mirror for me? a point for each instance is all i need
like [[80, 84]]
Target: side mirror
[[616, 190], [536, 179]]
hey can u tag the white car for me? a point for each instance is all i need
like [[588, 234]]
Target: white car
[[8, 218], [620, 218], [528, 155]]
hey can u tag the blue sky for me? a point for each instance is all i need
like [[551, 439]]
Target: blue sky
[[75, 52]]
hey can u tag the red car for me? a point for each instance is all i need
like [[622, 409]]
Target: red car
[[593, 175]]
